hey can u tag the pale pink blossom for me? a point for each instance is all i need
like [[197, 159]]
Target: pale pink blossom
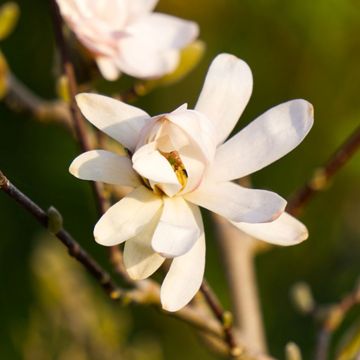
[[127, 36], [180, 161]]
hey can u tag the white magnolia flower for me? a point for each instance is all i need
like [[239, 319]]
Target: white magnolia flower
[[179, 162], [126, 36]]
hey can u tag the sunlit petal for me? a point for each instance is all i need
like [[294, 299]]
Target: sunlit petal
[[105, 166], [177, 230], [127, 218], [186, 273], [225, 93]]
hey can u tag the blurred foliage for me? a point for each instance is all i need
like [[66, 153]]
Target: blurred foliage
[[4, 70], [350, 347], [63, 324], [296, 49], [9, 15]]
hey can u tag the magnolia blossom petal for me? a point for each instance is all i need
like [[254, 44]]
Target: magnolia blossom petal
[[225, 94], [194, 168], [139, 8], [121, 121], [67, 6], [108, 68], [111, 14], [164, 31], [140, 260], [127, 218], [237, 203], [198, 128], [186, 272], [139, 58], [105, 166], [177, 230], [150, 164], [267, 139], [285, 230]]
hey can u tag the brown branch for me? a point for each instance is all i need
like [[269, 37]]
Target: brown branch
[[146, 292], [323, 175], [75, 250], [77, 119], [68, 71], [79, 125], [21, 98], [224, 317]]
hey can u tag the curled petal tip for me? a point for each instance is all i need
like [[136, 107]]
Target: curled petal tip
[[73, 169], [304, 235], [276, 215], [168, 307], [311, 110]]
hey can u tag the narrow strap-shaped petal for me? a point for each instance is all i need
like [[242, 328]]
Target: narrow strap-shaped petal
[[105, 166], [140, 259], [237, 203], [150, 164], [127, 218], [265, 140], [177, 230], [225, 94], [186, 273], [121, 121], [285, 230]]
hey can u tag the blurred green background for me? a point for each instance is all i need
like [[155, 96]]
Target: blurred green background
[[296, 49]]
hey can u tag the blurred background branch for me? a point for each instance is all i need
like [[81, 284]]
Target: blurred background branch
[[324, 174]]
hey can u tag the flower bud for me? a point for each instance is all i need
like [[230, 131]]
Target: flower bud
[[302, 297], [292, 351], [62, 89], [55, 220]]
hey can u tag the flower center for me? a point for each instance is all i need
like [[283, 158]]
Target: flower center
[[174, 159]]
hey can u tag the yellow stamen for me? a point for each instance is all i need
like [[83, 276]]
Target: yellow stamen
[[174, 159]]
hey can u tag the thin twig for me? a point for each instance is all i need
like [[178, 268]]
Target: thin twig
[[224, 317], [75, 250], [147, 292], [20, 98], [80, 129], [333, 320], [323, 175], [77, 119]]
